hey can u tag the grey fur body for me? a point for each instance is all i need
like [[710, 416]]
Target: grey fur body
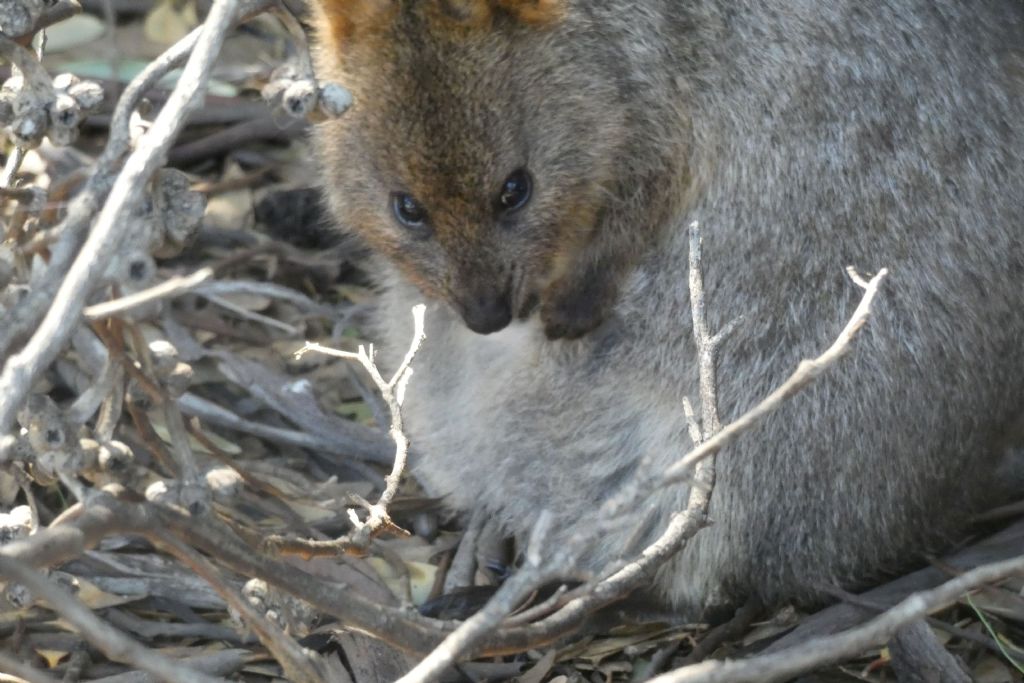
[[818, 135]]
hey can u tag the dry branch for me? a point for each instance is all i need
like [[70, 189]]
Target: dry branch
[[816, 652], [392, 391], [172, 287], [805, 374]]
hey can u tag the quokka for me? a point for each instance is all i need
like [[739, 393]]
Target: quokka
[[530, 167]]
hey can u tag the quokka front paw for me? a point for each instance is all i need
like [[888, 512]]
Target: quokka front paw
[[570, 313]]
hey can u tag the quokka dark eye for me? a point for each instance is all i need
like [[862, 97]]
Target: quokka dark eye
[[515, 191], [409, 212]]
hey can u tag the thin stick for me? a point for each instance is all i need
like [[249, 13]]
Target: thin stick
[[14, 667], [246, 314], [509, 596], [170, 288], [806, 372], [393, 393], [817, 652]]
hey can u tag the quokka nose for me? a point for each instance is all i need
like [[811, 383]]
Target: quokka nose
[[487, 314]]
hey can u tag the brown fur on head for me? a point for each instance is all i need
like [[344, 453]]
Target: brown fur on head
[[340, 22], [451, 98]]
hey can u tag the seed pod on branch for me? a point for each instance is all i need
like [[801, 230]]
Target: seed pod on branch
[[172, 374], [88, 94], [44, 425], [65, 112], [300, 96], [28, 129], [291, 614]]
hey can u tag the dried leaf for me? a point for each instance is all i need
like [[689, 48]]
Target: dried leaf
[[52, 658], [991, 669], [75, 31], [170, 20], [421, 578], [160, 427], [355, 293], [537, 672], [96, 598], [234, 210], [1000, 602], [8, 489], [311, 513], [248, 302]]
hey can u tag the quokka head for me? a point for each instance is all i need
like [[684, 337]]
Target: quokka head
[[481, 146]]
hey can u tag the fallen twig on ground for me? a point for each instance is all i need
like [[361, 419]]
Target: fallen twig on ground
[[816, 652]]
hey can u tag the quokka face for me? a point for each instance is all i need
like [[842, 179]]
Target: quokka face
[[480, 149]]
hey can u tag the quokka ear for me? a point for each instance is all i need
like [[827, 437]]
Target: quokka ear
[[534, 12], [337, 21]]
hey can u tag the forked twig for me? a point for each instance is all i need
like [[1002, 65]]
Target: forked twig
[[393, 394]]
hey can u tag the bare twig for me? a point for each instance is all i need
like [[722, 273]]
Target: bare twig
[[806, 372], [706, 346], [817, 652], [167, 289], [393, 393], [23, 671], [874, 607], [685, 524], [460, 573], [11, 166], [509, 596]]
